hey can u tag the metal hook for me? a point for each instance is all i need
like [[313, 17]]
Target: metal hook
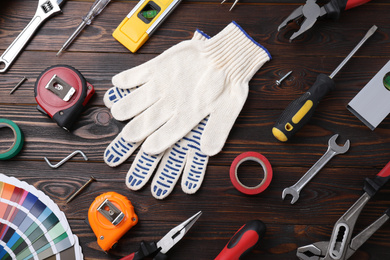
[[65, 159]]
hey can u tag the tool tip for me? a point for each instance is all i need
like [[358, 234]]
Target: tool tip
[[372, 30], [59, 52], [234, 4]]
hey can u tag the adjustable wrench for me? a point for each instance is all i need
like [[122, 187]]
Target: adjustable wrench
[[45, 9], [333, 149]]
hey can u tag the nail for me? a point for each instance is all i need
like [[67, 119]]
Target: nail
[[18, 85], [81, 189]]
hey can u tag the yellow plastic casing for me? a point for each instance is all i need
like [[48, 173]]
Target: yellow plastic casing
[[279, 134], [302, 112], [107, 233], [132, 32]]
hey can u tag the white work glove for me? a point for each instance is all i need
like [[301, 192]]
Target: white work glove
[[185, 84], [185, 156]]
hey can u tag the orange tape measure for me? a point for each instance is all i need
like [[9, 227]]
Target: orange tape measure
[[110, 216]]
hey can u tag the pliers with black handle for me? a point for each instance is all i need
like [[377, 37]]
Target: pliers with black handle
[[157, 251]]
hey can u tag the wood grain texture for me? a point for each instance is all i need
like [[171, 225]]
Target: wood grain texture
[[98, 57]]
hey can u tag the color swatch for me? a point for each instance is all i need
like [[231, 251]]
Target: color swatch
[[32, 226]]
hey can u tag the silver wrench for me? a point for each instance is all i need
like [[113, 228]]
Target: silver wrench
[[45, 9], [333, 149]]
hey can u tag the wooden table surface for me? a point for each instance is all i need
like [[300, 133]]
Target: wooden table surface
[[98, 56]]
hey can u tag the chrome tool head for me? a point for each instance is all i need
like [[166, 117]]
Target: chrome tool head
[[291, 191], [296, 14], [176, 233], [309, 12], [337, 148], [313, 251]]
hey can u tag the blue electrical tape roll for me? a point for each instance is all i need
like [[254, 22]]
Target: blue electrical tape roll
[[18, 142]]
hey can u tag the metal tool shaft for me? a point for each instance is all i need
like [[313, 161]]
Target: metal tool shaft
[[72, 37], [368, 35], [95, 10]]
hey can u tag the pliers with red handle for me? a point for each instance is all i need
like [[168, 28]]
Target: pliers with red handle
[[341, 245], [311, 11]]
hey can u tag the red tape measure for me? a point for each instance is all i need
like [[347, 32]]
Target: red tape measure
[[61, 93]]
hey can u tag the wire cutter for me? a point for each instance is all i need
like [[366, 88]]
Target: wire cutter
[[341, 245], [311, 11], [159, 249]]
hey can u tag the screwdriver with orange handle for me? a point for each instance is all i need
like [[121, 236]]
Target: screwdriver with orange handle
[[242, 243], [300, 111]]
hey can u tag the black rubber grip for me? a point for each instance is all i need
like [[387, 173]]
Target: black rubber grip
[[334, 8], [300, 111]]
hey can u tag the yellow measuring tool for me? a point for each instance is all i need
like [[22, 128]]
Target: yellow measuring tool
[[142, 21]]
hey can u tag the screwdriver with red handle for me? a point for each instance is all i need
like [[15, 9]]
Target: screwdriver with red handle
[[244, 241], [300, 111]]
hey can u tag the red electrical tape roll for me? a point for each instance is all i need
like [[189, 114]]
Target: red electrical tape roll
[[252, 156]]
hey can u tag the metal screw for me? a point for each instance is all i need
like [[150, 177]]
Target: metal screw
[[18, 85], [285, 76], [82, 188]]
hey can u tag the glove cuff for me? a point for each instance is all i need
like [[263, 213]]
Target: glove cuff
[[234, 51]]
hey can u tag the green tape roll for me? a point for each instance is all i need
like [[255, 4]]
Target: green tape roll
[[18, 142]]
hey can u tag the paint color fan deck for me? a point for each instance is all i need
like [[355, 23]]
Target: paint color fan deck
[[32, 226]]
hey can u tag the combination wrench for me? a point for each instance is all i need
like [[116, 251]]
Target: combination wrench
[[45, 9], [333, 149]]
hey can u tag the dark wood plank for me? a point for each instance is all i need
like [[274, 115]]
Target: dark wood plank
[[320, 205], [252, 131], [261, 20], [322, 201], [99, 57], [264, 94]]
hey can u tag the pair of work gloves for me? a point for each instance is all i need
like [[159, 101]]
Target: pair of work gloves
[[183, 104]]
